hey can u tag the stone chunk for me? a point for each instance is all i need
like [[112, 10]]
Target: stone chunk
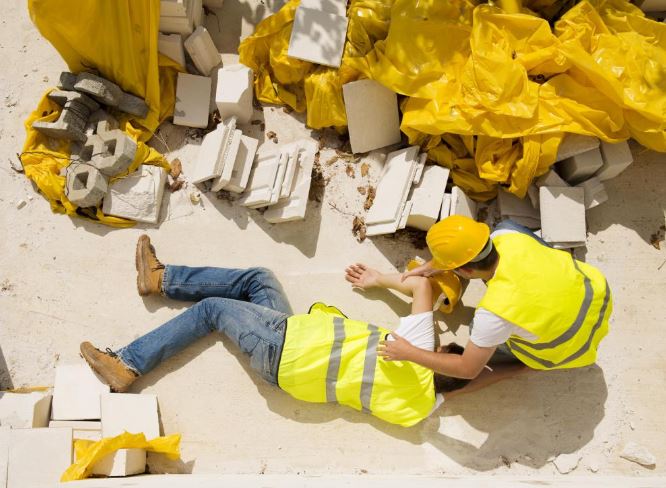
[[318, 37], [63, 98], [578, 168], [562, 214], [76, 394], [38, 457], [427, 196], [573, 144], [233, 95], [113, 150], [171, 45], [67, 81], [202, 50], [85, 185], [372, 115], [137, 196], [638, 454], [101, 89], [616, 157], [133, 105], [24, 410], [595, 192], [192, 101], [461, 204]]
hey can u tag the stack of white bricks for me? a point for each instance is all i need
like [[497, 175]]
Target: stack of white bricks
[[180, 16]]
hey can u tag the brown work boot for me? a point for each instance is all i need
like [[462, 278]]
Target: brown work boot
[[149, 269], [113, 371]]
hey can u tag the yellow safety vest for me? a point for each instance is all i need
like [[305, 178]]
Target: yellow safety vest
[[564, 302], [329, 358]]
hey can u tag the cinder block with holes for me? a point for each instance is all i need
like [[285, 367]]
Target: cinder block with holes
[[85, 185], [113, 150]]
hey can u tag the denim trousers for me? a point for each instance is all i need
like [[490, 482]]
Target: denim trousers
[[247, 305]]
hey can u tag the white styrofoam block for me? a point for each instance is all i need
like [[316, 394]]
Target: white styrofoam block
[[4, 455], [228, 160], [510, 205], [294, 206], [175, 25], [243, 165], [550, 179], [338, 7], [577, 168], [318, 37], [562, 214], [137, 196], [426, 198], [461, 204], [395, 181], [573, 144], [192, 100], [233, 94], [123, 462], [25, 410], [209, 159], [171, 45], [372, 115], [446, 206], [202, 50], [261, 181], [38, 457], [595, 192], [130, 412], [173, 8], [616, 157]]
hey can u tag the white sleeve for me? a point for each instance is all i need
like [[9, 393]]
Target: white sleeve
[[418, 329], [489, 330]]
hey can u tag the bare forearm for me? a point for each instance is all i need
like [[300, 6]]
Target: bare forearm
[[393, 281], [447, 364], [487, 377]]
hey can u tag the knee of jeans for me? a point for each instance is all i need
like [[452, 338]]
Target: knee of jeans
[[207, 305], [263, 274]]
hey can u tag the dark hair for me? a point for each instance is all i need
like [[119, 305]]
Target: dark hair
[[486, 263], [444, 384]]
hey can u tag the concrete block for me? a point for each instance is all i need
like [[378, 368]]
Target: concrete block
[[101, 89], [578, 168], [76, 393], [133, 105], [113, 150], [24, 410], [529, 222], [173, 8], [228, 160], [461, 204], [63, 98], [338, 7], [616, 158], [211, 152], [264, 181], [533, 195], [202, 50], [510, 206], [123, 462], [372, 115], [290, 172], [171, 45], [176, 24], [85, 185], [243, 165], [573, 144], [420, 166], [318, 37], [426, 198], [99, 115], [38, 457], [192, 100], [66, 81], [446, 206], [550, 179], [199, 17], [68, 126], [81, 429], [595, 192], [4, 455], [233, 95], [562, 214], [137, 196], [294, 206]]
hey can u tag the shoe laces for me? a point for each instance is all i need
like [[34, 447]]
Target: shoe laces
[[110, 352], [159, 264]]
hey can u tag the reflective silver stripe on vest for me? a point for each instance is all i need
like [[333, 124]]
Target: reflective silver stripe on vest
[[585, 347], [574, 328], [369, 366], [335, 359]]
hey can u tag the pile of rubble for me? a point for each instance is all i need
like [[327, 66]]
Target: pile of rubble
[[38, 429]]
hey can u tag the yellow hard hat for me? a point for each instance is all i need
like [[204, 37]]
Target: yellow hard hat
[[447, 283], [456, 240]]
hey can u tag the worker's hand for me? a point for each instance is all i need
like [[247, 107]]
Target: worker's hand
[[398, 350], [360, 276], [424, 270]]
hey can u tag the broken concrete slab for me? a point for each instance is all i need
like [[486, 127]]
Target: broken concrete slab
[[461, 204], [233, 94], [101, 89], [85, 185], [25, 410], [192, 100], [202, 50], [228, 160], [318, 37], [48, 450], [137, 196], [76, 393], [562, 214], [211, 152], [171, 45], [616, 158], [595, 192], [133, 105], [372, 115], [243, 165], [578, 168], [426, 198], [573, 144], [264, 183]]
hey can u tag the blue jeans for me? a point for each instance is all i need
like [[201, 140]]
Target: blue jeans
[[247, 305]]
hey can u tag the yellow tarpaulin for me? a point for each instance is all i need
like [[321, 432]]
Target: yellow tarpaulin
[[118, 39]]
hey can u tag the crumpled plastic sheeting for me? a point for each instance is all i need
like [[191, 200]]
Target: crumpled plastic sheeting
[[119, 39], [509, 83]]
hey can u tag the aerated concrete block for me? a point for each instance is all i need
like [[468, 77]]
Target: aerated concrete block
[[89, 430], [616, 158], [211, 152], [264, 183], [562, 214], [202, 50], [85, 185], [101, 89], [171, 45], [595, 192], [338, 7], [233, 95], [426, 198], [176, 24], [511, 206], [573, 144], [173, 8], [243, 165], [318, 37], [38, 457], [76, 394], [192, 101], [461, 204], [24, 410], [137, 196], [550, 179], [578, 168], [372, 115], [446, 206], [228, 160]]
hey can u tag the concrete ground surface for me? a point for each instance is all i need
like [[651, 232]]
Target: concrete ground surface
[[64, 280]]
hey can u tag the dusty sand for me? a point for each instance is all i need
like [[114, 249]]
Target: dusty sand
[[64, 280]]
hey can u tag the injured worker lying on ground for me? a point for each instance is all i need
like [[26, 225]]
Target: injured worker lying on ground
[[320, 356]]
